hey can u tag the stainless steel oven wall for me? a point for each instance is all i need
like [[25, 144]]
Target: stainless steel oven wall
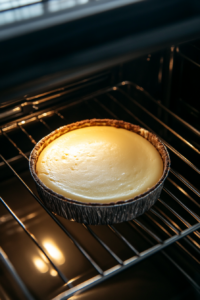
[[55, 46]]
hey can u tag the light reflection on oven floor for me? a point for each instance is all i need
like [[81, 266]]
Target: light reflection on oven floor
[[25, 257]]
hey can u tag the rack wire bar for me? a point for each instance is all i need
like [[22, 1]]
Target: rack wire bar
[[27, 134], [21, 286], [175, 213], [183, 191], [45, 124], [151, 233], [99, 270], [165, 142], [103, 244], [159, 121], [167, 232], [60, 115], [124, 239], [186, 182], [13, 143], [188, 239], [163, 252], [160, 226], [106, 109], [164, 221], [57, 108], [186, 57], [164, 230], [13, 159], [62, 91], [142, 90], [195, 216], [33, 238], [127, 263], [156, 238]]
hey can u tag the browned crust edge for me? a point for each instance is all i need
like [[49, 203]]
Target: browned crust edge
[[152, 138]]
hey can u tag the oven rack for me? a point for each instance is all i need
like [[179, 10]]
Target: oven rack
[[156, 215], [186, 57], [21, 286]]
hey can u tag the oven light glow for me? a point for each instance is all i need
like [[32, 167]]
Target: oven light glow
[[28, 217], [31, 216], [40, 265], [53, 273], [74, 279], [16, 109], [54, 252]]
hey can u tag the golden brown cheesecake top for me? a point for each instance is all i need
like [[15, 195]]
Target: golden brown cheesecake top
[[100, 164]]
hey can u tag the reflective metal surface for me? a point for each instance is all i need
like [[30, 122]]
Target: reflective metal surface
[[29, 261], [101, 34], [98, 249]]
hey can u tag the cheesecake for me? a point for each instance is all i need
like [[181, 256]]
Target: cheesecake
[[99, 164]]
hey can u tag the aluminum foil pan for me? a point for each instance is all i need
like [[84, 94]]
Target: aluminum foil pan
[[97, 213]]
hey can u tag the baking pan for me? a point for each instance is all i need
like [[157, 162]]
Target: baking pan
[[97, 213]]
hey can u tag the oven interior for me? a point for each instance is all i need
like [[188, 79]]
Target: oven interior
[[43, 255]]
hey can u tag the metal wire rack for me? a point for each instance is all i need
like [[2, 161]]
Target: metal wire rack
[[175, 219]]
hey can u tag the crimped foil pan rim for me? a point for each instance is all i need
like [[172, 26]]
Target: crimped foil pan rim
[[152, 138]]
